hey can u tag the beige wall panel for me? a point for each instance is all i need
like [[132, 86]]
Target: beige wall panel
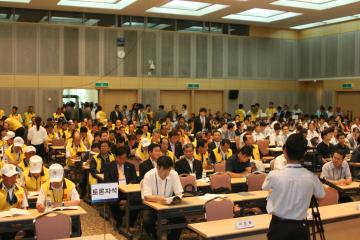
[[177, 98], [130, 83], [50, 81], [6, 80], [212, 100], [121, 97], [349, 101]]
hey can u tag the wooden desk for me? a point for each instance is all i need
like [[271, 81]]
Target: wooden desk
[[352, 186], [276, 149], [131, 188], [13, 224], [57, 147], [108, 236], [195, 206], [340, 221]]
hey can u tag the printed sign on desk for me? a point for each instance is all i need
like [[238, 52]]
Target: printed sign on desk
[[104, 192]]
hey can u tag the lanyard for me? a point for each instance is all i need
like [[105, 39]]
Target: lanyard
[[157, 187], [297, 166]]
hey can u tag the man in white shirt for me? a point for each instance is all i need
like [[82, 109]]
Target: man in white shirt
[[159, 185], [276, 138], [279, 162], [258, 134], [291, 190], [337, 170]]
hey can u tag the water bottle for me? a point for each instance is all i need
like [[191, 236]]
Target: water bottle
[[48, 203], [203, 174]]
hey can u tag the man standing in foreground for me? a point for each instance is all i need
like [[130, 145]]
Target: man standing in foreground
[[291, 190]]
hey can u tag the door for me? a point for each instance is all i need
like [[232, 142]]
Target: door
[[349, 101]]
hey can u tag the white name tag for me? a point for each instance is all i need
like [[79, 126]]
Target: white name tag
[[309, 216], [193, 174], [242, 224], [122, 182]]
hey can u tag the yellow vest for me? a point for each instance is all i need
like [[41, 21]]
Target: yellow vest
[[74, 150], [19, 194], [16, 116], [27, 118], [141, 154], [93, 180], [24, 166], [12, 155], [256, 152], [253, 117], [58, 196], [102, 116], [67, 134], [33, 184], [205, 159], [270, 112], [13, 123], [169, 154], [218, 155], [2, 113], [241, 113]]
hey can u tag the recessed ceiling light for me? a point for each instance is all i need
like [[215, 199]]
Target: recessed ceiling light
[[188, 8], [261, 15], [314, 4], [340, 19], [106, 4], [309, 25], [325, 22], [185, 5], [16, 1]]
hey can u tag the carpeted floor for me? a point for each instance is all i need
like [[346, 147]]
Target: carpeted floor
[[93, 224]]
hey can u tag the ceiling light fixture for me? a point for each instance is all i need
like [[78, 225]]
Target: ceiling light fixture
[[261, 15], [314, 4], [326, 22], [106, 4]]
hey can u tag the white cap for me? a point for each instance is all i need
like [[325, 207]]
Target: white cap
[[56, 173], [70, 122], [18, 142], [8, 170], [145, 142], [35, 164], [9, 135], [30, 149]]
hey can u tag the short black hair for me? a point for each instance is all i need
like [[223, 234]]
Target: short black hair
[[203, 110], [139, 132], [107, 142], [246, 150], [152, 146], [277, 126], [241, 105], [83, 130], [120, 151], [97, 134], [165, 162], [225, 141], [120, 139], [340, 134], [296, 146], [340, 152], [188, 145], [173, 133], [200, 143], [95, 145], [326, 132]]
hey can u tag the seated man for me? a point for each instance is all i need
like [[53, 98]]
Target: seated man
[[201, 153], [238, 166], [36, 174], [337, 171], [222, 153], [59, 191], [124, 173], [11, 194], [99, 162], [155, 153], [159, 184], [74, 148], [342, 143], [15, 153], [325, 148], [29, 152], [188, 164]]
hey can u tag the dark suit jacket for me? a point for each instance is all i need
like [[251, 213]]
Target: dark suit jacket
[[144, 167], [113, 116], [178, 150], [198, 126], [182, 166], [111, 173]]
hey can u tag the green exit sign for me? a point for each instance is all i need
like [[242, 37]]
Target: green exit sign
[[347, 86], [101, 84], [193, 86]]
